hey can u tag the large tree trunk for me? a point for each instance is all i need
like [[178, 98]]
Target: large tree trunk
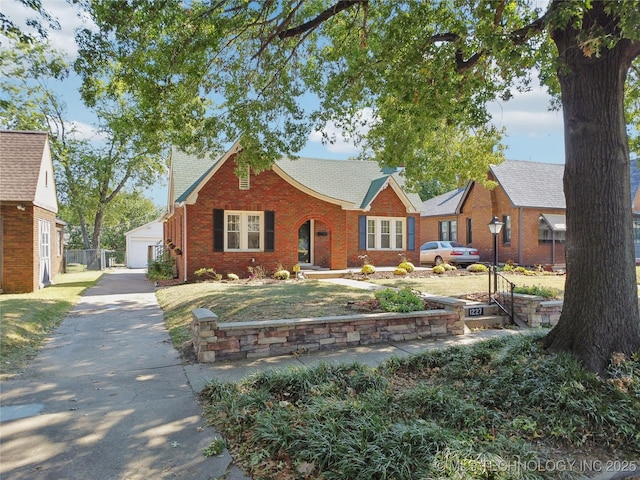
[[600, 313]]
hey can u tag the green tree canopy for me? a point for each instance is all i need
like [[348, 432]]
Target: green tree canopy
[[90, 173], [207, 72]]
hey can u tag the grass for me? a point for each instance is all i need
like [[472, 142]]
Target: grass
[[454, 285], [27, 319], [234, 302], [494, 410]]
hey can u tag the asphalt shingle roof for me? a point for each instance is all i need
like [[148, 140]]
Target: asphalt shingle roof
[[20, 162], [445, 204], [353, 181], [187, 170], [531, 184]]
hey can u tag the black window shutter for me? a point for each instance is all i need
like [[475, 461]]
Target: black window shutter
[[269, 230], [411, 233], [362, 232], [218, 230]]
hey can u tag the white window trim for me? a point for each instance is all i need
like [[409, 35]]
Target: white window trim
[[244, 223], [392, 233]]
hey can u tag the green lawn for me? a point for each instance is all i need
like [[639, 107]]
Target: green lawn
[[27, 319], [456, 285], [234, 302]]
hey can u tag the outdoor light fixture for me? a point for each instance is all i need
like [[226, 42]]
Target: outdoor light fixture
[[21, 207], [495, 225]]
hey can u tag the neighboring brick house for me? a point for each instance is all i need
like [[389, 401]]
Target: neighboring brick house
[[528, 198], [311, 212], [31, 237]]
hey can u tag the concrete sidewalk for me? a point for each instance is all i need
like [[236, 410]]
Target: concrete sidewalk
[[108, 398]]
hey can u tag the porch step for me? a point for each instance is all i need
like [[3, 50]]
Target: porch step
[[485, 321], [322, 273]]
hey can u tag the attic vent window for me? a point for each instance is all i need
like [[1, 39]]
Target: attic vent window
[[244, 180]]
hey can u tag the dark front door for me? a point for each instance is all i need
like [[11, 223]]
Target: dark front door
[[304, 243]]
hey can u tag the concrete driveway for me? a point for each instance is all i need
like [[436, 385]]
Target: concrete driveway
[[108, 398]]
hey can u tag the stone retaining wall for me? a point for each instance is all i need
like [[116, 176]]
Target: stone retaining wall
[[215, 341], [536, 311]]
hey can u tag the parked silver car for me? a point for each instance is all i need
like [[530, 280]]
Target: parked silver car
[[435, 253]]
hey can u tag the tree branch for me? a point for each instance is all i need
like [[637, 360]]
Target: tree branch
[[322, 17], [537, 26]]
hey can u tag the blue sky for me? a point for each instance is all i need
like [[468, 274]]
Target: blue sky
[[532, 131]]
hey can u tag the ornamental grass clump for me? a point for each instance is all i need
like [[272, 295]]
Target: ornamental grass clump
[[400, 271]]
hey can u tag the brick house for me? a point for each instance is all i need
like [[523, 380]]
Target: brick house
[[528, 198], [31, 237], [311, 212]]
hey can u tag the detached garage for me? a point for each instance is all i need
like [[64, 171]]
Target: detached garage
[[143, 244]]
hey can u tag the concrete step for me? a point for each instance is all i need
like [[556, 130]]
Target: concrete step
[[485, 321]]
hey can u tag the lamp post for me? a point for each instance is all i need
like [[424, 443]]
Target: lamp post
[[495, 225]]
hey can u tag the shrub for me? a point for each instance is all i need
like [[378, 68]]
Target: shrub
[[209, 273], [403, 300], [448, 267], [233, 277], [478, 268], [400, 271], [439, 269], [257, 272], [520, 270], [368, 269], [537, 290], [281, 275], [161, 268], [408, 266]]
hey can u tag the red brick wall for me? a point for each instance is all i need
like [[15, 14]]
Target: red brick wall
[[482, 204], [338, 249], [21, 247], [386, 204], [268, 192]]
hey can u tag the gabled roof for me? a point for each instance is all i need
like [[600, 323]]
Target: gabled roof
[[445, 204], [349, 183], [186, 173], [531, 184], [151, 229], [352, 182], [21, 162]]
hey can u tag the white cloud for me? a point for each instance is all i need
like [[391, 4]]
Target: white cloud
[[527, 114], [69, 16], [83, 131], [339, 140]]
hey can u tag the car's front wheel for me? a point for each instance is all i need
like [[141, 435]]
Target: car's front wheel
[[438, 261]]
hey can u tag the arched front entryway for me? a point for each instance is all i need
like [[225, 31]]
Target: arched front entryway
[[305, 243], [314, 244]]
